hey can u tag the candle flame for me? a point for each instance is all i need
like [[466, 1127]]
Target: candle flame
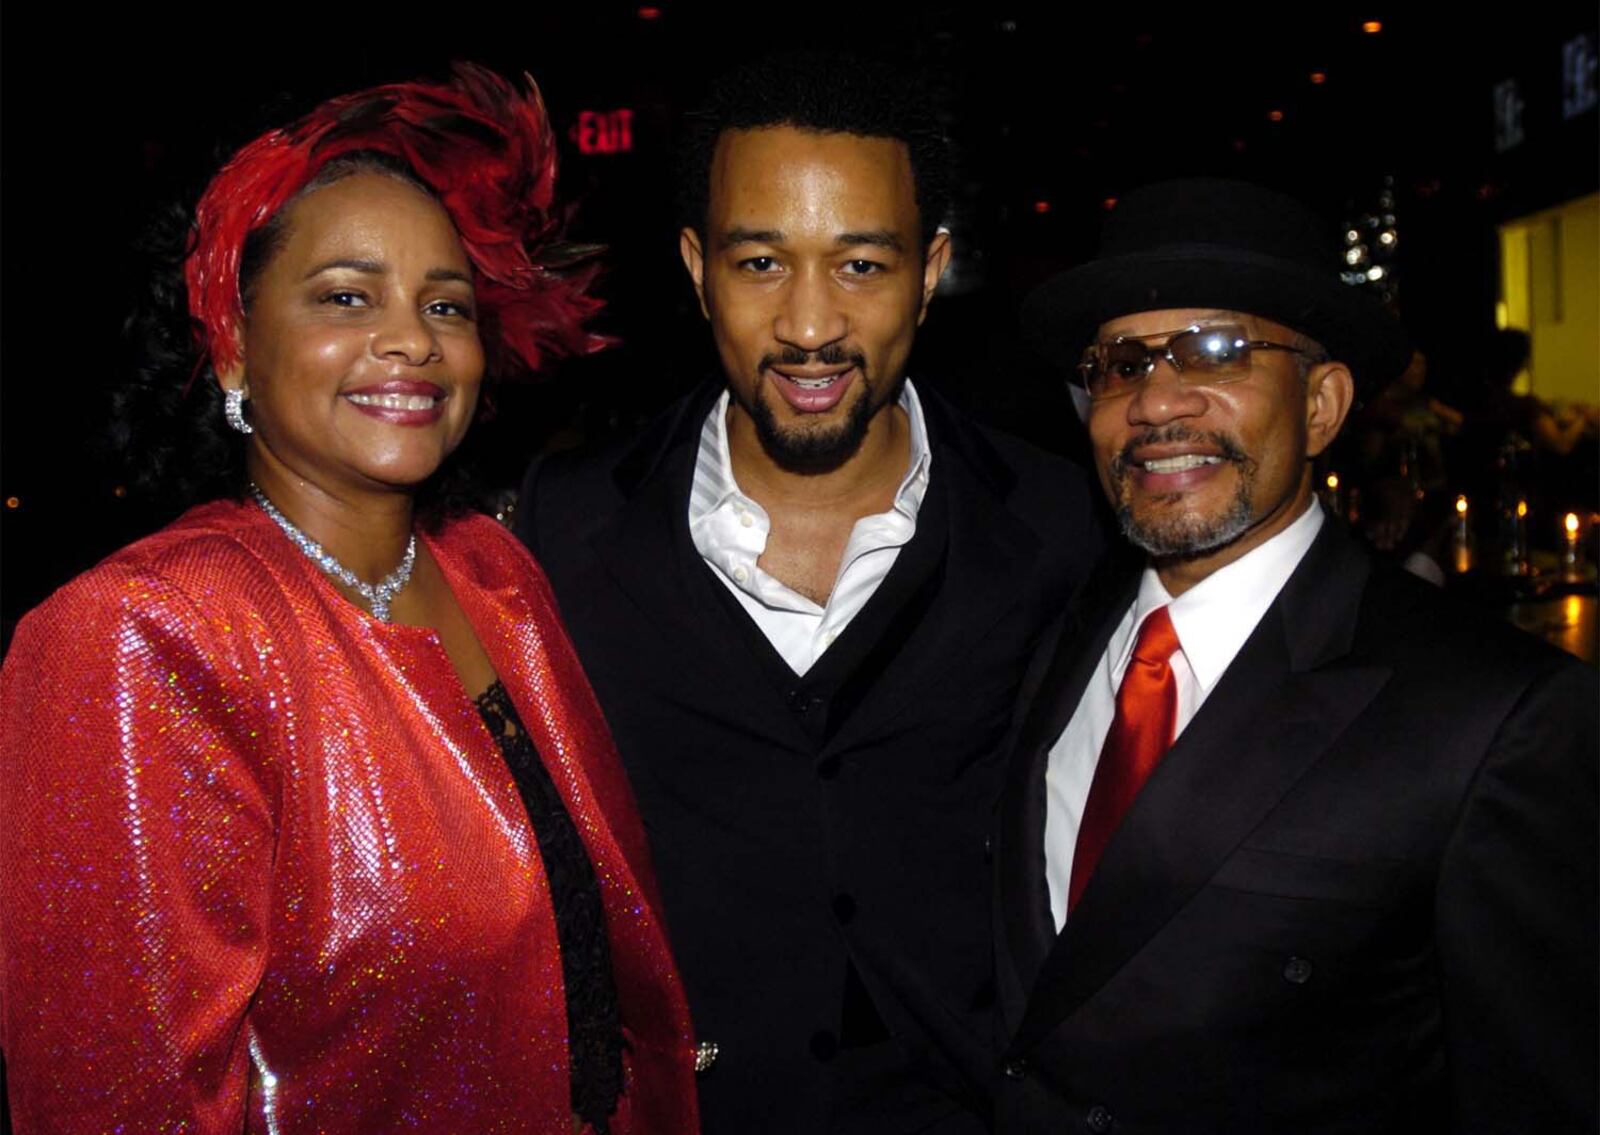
[[1522, 508], [1333, 480], [1571, 523], [1461, 505]]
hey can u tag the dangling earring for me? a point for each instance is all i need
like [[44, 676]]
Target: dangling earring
[[233, 410]]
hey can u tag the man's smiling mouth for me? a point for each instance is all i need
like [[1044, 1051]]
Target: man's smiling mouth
[[1180, 463]]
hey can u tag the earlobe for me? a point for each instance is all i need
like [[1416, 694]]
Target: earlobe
[[1330, 392], [232, 376], [693, 254], [934, 263]]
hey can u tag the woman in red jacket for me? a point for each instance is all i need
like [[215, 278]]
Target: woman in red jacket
[[309, 820]]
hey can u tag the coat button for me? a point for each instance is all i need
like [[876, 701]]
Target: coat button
[[1297, 971], [824, 1045], [1015, 1069], [828, 768], [802, 702], [844, 907], [1098, 1120]]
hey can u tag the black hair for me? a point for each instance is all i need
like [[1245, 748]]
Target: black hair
[[830, 93], [167, 426]]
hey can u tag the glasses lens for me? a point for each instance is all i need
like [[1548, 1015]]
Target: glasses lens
[[1212, 352], [1117, 367]]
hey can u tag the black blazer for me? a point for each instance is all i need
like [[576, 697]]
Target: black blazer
[[821, 842], [1358, 894]]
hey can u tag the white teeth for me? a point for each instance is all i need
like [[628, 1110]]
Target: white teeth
[[394, 401], [815, 383], [1180, 463]]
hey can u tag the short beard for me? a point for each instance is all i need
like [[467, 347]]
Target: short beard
[[810, 452], [1185, 537]]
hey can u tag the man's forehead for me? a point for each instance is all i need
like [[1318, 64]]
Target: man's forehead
[[787, 162], [784, 134]]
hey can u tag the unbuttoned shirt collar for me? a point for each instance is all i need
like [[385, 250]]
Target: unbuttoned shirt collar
[[729, 530]]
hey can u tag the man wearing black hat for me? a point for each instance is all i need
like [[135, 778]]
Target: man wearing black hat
[[1288, 843]]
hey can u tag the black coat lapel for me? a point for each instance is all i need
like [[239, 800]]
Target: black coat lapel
[[1049, 695], [647, 550], [987, 543], [1280, 705]]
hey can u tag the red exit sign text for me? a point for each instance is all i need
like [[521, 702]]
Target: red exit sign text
[[604, 131]]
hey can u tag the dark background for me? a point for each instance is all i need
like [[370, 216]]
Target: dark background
[[1054, 111]]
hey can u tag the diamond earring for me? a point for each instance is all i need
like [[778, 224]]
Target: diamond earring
[[233, 410]]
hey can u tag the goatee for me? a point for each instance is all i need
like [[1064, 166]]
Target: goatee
[[820, 450], [1184, 536]]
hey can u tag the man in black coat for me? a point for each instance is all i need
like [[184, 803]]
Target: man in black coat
[[1289, 843], [806, 598]]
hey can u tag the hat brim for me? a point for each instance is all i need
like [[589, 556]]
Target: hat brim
[[1061, 316]]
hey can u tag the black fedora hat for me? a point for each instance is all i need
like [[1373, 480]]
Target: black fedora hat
[[1200, 242]]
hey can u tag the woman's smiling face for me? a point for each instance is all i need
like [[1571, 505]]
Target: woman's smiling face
[[362, 359]]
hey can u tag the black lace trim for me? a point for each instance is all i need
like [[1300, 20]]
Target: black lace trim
[[594, 1020]]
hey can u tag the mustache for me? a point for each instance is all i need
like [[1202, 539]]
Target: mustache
[[1227, 446], [831, 355]]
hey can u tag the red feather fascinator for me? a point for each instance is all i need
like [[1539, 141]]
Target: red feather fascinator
[[483, 147]]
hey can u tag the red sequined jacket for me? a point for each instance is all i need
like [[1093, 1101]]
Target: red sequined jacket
[[263, 868]]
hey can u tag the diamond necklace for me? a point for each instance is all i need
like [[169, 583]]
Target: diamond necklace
[[378, 595]]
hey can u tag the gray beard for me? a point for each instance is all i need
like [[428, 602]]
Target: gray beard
[[1183, 537]]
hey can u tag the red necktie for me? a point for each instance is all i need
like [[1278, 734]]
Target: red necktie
[[1141, 733]]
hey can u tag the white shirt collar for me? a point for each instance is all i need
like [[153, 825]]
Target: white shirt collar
[[1215, 616]]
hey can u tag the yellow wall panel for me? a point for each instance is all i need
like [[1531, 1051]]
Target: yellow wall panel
[[1550, 287]]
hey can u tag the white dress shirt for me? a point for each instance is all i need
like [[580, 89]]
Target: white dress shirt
[[1212, 619], [730, 532]]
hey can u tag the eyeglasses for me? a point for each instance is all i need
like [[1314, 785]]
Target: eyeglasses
[[1201, 356]]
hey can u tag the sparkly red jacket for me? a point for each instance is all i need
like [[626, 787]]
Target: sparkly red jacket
[[263, 868]]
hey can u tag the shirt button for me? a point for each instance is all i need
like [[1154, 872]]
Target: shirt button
[[1015, 1068], [844, 907], [1297, 971], [1098, 1120], [740, 575], [746, 519]]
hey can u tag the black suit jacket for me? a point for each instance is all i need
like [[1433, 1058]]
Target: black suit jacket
[[821, 843], [1357, 895]]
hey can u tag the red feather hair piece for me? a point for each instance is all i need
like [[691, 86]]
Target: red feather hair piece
[[483, 147]]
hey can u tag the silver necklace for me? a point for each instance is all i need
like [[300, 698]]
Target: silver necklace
[[378, 595]]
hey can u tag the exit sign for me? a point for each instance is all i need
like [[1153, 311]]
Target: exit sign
[[604, 131]]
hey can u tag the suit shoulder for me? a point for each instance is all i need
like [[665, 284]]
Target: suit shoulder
[[569, 493], [1054, 495], [589, 472], [1416, 623]]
